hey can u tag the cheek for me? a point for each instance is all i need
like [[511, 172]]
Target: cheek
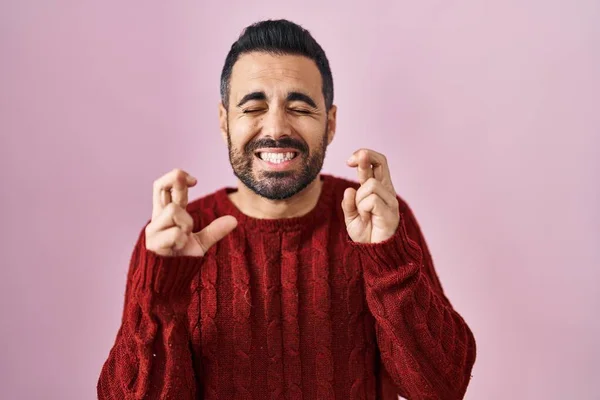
[[311, 132], [241, 133]]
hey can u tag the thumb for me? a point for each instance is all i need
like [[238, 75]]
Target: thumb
[[215, 231], [349, 205]]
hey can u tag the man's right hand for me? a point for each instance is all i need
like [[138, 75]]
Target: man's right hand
[[169, 232]]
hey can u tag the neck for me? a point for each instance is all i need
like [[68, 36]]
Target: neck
[[256, 206]]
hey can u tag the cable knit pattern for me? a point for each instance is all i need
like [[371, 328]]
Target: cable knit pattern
[[208, 327], [270, 251], [425, 345], [289, 308], [321, 304], [194, 316], [289, 303], [153, 333], [370, 359], [242, 303], [356, 330]]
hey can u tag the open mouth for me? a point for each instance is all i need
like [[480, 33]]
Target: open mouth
[[277, 158]]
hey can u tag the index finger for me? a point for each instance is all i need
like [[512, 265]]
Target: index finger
[[172, 185]]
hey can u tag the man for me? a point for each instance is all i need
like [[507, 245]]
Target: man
[[295, 285]]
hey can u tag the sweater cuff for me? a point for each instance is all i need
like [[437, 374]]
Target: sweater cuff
[[392, 253], [166, 276]]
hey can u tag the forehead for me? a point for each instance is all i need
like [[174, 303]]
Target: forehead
[[276, 75]]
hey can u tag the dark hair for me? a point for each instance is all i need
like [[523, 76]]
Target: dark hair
[[277, 37]]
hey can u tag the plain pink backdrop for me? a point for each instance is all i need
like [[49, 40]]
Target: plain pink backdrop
[[489, 112]]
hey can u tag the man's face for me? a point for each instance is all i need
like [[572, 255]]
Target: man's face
[[276, 125]]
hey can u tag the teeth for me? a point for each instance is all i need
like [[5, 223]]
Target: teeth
[[277, 158]]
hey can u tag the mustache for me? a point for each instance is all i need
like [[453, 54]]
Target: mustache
[[283, 143]]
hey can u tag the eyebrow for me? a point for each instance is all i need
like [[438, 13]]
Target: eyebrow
[[292, 96], [297, 96], [252, 96]]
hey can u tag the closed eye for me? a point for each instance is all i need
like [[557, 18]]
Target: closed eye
[[252, 111], [300, 111]]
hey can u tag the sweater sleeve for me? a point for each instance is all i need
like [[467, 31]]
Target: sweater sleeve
[[425, 345], [151, 356]]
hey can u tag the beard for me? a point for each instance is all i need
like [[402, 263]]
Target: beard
[[277, 185]]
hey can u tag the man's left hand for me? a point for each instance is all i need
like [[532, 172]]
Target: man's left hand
[[371, 212]]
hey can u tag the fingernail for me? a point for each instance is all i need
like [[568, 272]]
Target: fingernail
[[351, 159]]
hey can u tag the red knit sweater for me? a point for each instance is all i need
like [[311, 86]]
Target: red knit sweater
[[289, 309]]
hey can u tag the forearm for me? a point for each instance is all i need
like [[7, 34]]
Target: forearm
[[150, 357], [426, 346]]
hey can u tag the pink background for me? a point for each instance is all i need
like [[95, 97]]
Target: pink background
[[488, 111]]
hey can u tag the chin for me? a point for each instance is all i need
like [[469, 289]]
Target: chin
[[278, 185]]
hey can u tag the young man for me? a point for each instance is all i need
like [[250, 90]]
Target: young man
[[295, 285]]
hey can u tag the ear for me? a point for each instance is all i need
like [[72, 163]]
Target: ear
[[223, 121], [331, 120]]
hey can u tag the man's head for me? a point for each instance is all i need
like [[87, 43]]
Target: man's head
[[276, 109]]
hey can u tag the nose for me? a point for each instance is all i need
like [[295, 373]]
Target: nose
[[276, 124]]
